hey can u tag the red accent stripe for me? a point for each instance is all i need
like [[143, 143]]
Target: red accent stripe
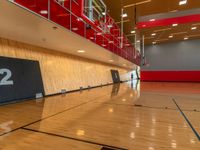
[[169, 21], [185, 76]]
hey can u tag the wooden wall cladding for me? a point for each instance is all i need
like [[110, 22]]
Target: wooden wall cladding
[[60, 70]]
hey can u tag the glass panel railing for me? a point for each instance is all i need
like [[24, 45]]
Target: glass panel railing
[[68, 15]]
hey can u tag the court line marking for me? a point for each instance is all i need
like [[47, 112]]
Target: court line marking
[[58, 112], [187, 120], [142, 106], [145, 106], [71, 138], [53, 115]]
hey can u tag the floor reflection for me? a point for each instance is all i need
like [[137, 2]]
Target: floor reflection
[[107, 115]]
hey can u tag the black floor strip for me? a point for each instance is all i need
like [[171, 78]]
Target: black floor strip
[[107, 148], [187, 120], [140, 106], [51, 115], [71, 138]]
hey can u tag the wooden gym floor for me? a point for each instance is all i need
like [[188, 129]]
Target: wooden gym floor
[[134, 116]]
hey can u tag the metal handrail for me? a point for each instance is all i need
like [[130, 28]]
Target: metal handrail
[[121, 51]]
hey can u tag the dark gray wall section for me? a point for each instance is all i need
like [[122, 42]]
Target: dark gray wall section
[[179, 56]]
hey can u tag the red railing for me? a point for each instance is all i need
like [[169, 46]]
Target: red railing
[[69, 14]]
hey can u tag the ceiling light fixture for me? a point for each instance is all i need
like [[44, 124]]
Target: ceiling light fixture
[[186, 38], [135, 4], [175, 24], [79, 19], [74, 29], [124, 15], [171, 36], [103, 13], [193, 28], [44, 12], [153, 34], [99, 33], [152, 20], [81, 51], [153, 43], [110, 26], [183, 2], [133, 31], [111, 42], [111, 60]]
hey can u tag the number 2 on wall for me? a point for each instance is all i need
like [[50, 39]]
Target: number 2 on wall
[[5, 80]]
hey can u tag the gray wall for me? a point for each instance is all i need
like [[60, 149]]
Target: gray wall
[[183, 55]]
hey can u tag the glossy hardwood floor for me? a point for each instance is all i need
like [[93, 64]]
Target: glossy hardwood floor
[[130, 116]]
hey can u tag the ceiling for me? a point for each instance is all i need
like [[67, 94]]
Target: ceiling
[[171, 34], [150, 7]]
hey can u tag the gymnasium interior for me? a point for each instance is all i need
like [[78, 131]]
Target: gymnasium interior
[[99, 74]]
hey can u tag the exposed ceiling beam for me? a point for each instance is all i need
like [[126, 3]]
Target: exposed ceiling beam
[[135, 4]]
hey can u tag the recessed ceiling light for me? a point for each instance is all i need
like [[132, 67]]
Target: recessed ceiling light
[[186, 38], [110, 26], [138, 41], [183, 2], [152, 20], [193, 28], [99, 33], [153, 34], [103, 13], [44, 12], [124, 15], [133, 31], [171, 36], [79, 19], [92, 38], [74, 29], [153, 43], [175, 24], [81, 51], [111, 42]]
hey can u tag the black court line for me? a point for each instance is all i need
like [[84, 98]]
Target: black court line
[[187, 120], [52, 115], [170, 94], [106, 148], [150, 107], [80, 140], [139, 106]]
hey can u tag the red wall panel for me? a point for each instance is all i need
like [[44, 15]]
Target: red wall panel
[[181, 76], [169, 21]]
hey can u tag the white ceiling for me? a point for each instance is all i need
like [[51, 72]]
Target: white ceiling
[[21, 25]]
